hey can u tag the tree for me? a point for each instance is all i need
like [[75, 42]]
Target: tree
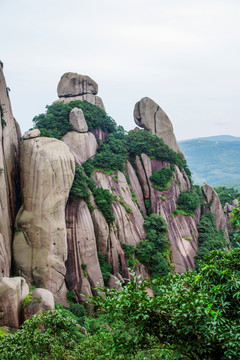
[[196, 316]]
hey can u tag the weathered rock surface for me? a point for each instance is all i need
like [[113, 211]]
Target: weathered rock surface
[[150, 116], [73, 84], [135, 186], [92, 99], [83, 146], [182, 230], [83, 269], [41, 300], [227, 210], [128, 224], [77, 119], [212, 199], [9, 175], [40, 246], [12, 293], [31, 134]]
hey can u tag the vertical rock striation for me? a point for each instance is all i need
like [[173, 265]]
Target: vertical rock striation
[[40, 244], [9, 179]]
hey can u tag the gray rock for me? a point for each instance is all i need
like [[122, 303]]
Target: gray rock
[[82, 146], [73, 84], [12, 293], [31, 134], [149, 115], [77, 119], [41, 300]]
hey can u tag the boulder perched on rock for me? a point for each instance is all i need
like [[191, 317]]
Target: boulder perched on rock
[[12, 293], [73, 84], [31, 134], [40, 300], [149, 115], [77, 119]]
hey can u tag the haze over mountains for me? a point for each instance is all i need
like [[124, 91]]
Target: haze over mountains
[[214, 160]]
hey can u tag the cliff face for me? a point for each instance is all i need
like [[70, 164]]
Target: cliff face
[[61, 243], [9, 179]]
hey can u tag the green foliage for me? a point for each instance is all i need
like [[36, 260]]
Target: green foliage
[[95, 116], [188, 202], [235, 220], [48, 335], [1, 64], [226, 195], [195, 316], [111, 154], [3, 122], [129, 251], [55, 122], [79, 189], [154, 251], [143, 141], [161, 179], [104, 199], [209, 238], [106, 269], [147, 203], [1, 170]]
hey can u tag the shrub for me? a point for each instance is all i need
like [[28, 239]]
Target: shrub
[[161, 179], [79, 189], [209, 238], [106, 269], [188, 201], [226, 194], [142, 141], [129, 253], [154, 251]]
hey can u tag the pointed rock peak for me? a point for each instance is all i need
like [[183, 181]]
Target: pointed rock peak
[[73, 84], [149, 115]]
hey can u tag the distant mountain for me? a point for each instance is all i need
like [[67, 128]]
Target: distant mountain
[[213, 160], [220, 138]]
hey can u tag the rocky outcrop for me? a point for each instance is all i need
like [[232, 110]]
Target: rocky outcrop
[[31, 134], [40, 246], [182, 230], [12, 293], [77, 119], [82, 146], [150, 116], [227, 211], [83, 269], [9, 179], [212, 200], [40, 300], [73, 86]]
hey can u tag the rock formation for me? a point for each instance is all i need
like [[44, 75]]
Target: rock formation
[[73, 86], [9, 179], [150, 116], [62, 244], [40, 246]]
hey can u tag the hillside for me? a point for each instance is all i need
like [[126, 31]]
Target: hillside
[[214, 161]]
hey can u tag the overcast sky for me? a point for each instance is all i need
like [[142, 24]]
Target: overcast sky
[[184, 54]]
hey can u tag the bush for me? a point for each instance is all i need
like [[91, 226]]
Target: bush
[[209, 238], [226, 195], [79, 189], [161, 179], [129, 251], [142, 141], [55, 122], [188, 201], [106, 269], [154, 251]]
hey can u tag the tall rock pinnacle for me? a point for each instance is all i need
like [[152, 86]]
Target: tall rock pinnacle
[[149, 115]]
